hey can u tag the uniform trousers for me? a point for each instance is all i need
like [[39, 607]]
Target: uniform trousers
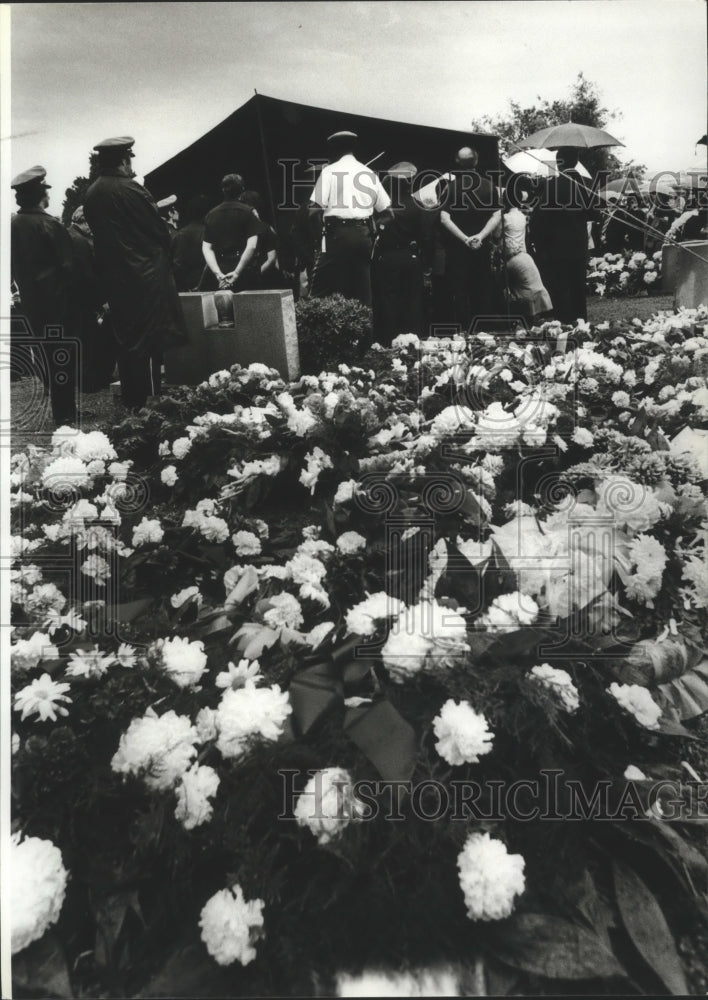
[[397, 294], [139, 376], [470, 285], [344, 267], [565, 280]]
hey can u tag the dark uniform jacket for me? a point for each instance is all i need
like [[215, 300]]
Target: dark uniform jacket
[[470, 200], [187, 257], [42, 265], [228, 228], [559, 223], [132, 246]]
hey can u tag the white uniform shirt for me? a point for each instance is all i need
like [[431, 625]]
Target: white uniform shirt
[[348, 189]]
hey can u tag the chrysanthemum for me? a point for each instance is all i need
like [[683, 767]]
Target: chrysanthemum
[[490, 877], [230, 925], [463, 734], [37, 880]]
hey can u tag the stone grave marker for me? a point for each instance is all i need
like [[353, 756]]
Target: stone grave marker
[[225, 329]]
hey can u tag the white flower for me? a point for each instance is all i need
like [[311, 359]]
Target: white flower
[[463, 734], [205, 723], [164, 449], [43, 697], [169, 475], [633, 773], [509, 611], [65, 473], [89, 663], [620, 399], [250, 713], [181, 447], [37, 880], [159, 748], [327, 804], [96, 567], [198, 785], [148, 532], [350, 542], [345, 492], [230, 925], [284, 612], [246, 543], [560, 683], [638, 702], [119, 470], [236, 676], [420, 982], [427, 634], [316, 460], [126, 655], [583, 437], [214, 529], [362, 618], [27, 653], [490, 877], [182, 596], [317, 635], [183, 661], [648, 556]]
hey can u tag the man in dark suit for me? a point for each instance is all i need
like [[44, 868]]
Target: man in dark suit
[[560, 235], [42, 267], [133, 255], [470, 201]]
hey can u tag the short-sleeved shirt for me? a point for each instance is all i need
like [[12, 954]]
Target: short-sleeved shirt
[[348, 189], [229, 226]]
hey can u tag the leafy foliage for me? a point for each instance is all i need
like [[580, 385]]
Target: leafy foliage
[[331, 331]]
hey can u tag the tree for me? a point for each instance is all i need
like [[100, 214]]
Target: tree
[[74, 195], [582, 105]]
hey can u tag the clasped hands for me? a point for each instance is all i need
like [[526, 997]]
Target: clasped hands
[[227, 281], [474, 242]]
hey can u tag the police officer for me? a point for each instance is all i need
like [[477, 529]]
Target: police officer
[[348, 193], [42, 266], [231, 238], [132, 245], [402, 254]]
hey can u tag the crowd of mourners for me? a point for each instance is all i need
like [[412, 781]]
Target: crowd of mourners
[[104, 291]]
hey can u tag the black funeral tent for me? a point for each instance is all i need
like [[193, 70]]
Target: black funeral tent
[[270, 142]]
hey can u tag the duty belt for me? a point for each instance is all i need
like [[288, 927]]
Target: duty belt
[[337, 220]]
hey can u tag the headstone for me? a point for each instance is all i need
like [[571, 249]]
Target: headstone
[[685, 273], [225, 329]]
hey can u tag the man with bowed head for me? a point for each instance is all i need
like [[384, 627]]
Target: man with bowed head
[[132, 246]]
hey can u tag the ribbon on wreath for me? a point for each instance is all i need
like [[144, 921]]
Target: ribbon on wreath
[[376, 728]]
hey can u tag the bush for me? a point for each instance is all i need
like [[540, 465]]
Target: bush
[[331, 331]]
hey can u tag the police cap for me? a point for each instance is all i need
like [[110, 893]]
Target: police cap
[[121, 143], [35, 175], [336, 136], [403, 169]]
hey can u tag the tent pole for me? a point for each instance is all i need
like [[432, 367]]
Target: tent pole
[[261, 132]]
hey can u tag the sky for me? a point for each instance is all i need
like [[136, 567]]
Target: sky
[[166, 73]]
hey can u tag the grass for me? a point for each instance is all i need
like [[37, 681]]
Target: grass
[[32, 420]]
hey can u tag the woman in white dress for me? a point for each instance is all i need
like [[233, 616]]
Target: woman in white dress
[[527, 295]]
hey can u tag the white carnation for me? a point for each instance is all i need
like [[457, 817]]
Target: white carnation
[[362, 618], [250, 713], [181, 447], [148, 532], [327, 804], [284, 612], [198, 785], [246, 543], [351, 542], [158, 748], [27, 653], [490, 877], [37, 888], [230, 925], [427, 634], [560, 683], [183, 661], [169, 475], [638, 702], [463, 734], [65, 473]]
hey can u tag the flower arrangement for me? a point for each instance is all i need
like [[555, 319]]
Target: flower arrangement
[[623, 274], [301, 723]]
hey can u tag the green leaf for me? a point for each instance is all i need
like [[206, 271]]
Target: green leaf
[[41, 968], [109, 912], [385, 737], [188, 972], [552, 947], [128, 611], [686, 697], [646, 925]]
